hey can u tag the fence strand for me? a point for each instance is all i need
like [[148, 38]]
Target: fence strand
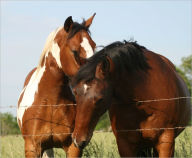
[[139, 101], [128, 130]]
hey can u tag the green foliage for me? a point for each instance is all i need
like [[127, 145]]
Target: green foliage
[[104, 122], [8, 124], [187, 66], [185, 78], [185, 70]]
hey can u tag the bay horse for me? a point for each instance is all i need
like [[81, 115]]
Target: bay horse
[[46, 110], [132, 82]]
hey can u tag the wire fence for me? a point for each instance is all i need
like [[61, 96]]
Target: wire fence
[[103, 143], [137, 101], [109, 131]]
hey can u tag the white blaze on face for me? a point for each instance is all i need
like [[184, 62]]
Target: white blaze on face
[[85, 86], [87, 47]]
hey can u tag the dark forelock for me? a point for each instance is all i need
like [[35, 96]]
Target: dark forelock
[[76, 27]]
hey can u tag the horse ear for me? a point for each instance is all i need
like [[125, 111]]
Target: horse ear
[[89, 21], [104, 68], [68, 23]]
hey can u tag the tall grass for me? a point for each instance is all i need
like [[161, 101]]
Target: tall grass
[[102, 144], [183, 147]]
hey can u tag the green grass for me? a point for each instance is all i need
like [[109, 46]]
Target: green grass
[[103, 144], [183, 147], [12, 147]]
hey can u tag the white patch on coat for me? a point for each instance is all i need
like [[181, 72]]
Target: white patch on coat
[[87, 47], [32, 87], [22, 91], [29, 93], [48, 44], [55, 50]]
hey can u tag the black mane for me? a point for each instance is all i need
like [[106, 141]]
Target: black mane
[[76, 27], [127, 56]]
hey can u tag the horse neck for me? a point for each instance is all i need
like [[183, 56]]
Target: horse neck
[[57, 61], [62, 53], [127, 85], [68, 62], [52, 75]]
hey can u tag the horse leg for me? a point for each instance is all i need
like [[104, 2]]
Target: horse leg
[[148, 152], [166, 143], [31, 150], [155, 153], [73, 151], [126, 149], [144, 152], [49, 153]]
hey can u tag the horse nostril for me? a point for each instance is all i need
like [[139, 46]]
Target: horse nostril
[[82, 144]]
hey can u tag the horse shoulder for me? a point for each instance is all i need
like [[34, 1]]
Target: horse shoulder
[[27, 79]]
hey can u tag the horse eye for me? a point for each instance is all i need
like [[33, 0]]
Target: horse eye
[[75, 52], [100, 101], [88, 81]]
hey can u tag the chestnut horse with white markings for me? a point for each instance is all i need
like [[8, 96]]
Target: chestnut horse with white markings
[[119, 78], [46, 110]]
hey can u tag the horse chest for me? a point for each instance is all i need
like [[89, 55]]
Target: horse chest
[[28, 93], [40, 90]]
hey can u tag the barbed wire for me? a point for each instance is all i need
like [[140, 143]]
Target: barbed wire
[[164, 99], [127, 130], [101, 131], [39, 105], [139, 101]]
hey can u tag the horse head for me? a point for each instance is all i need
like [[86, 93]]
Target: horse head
[[69, 46], [93, 95]]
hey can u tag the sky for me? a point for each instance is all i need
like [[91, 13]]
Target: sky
[[163, 26]]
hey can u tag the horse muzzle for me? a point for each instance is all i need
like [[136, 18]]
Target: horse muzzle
[[80, 142]]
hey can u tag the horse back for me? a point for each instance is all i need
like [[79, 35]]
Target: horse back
[[166, 83], [168, 62]]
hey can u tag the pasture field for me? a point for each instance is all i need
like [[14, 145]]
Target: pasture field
[[103, 144]]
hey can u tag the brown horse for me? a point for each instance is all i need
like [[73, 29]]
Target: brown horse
[[126, 78], [46, 113]]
